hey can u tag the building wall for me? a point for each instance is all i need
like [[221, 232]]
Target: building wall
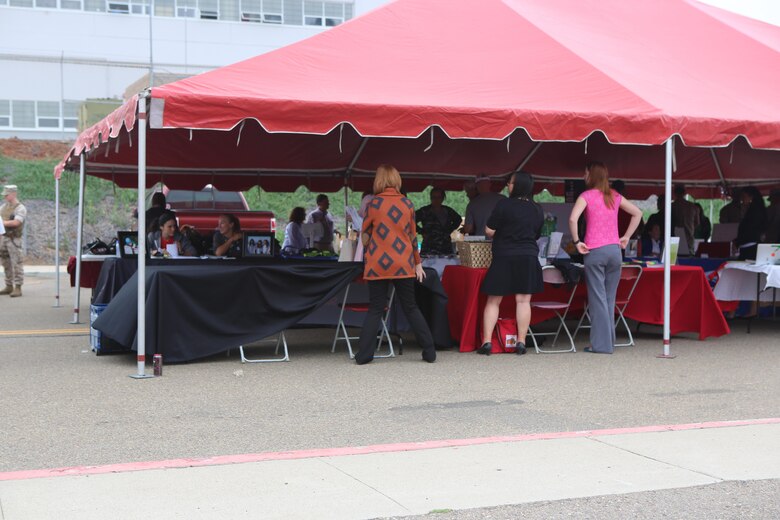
[[68, 55]]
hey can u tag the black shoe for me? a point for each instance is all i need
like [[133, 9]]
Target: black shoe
[[430, 358], [485, 349], [520, 348], [363, 361]]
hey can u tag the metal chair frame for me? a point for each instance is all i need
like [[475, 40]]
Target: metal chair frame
[[620, 306], [343, 335], [281, 340], [551, 275]]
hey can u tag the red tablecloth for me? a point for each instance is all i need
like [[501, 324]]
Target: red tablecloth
[[90, 271], [694, 308], [693, 305], [465, 304]]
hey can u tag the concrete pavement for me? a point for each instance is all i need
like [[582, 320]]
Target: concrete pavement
[[385, 483], [64, 407]]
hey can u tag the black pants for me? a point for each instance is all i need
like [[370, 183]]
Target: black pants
[[377, 298]]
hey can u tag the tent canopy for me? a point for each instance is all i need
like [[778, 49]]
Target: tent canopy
[[444, 89]]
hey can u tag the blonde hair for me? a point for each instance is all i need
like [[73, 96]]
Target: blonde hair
[[598, 178], [386, 177]]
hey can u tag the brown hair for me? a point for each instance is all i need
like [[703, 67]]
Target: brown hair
[[386, 177], [298, 214], [598, 178]]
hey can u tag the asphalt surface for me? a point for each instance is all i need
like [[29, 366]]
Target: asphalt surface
[[64, 406]]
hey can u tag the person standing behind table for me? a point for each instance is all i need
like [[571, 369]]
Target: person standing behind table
[[294, 241], [733, 212], [228, 238], [623, 217], [168, 234], [704, 229], [773, 218], [658, 217], [321, 216], [390, 240], [480, 207], [751, 230], [685, 214], [13, 214], [157, 209], [515, 225], [470, 189], [601, 251], [435, 223]]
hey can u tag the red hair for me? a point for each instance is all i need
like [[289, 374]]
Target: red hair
[[598, 179]]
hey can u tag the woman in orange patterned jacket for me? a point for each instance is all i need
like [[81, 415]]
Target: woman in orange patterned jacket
[[389, 237]]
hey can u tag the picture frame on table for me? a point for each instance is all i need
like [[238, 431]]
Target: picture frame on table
[[127, 244], [259, 244]]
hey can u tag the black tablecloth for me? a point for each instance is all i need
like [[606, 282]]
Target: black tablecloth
[[113, 276], [194, 311]]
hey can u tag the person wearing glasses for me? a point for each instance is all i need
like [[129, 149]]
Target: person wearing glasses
[[514, 225], [435, 223]]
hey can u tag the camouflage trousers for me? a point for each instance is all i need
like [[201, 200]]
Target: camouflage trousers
[[12, 260]]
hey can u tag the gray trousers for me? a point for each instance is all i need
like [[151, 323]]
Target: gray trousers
[[602, 274]]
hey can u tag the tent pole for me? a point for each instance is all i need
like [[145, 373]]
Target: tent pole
[[528, 157], [667, 249], [57, 242], [80, 236], [141, 272]]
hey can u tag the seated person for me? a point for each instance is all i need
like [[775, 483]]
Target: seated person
[[228, 237], [294, 241], [168, 234], [652, 242]]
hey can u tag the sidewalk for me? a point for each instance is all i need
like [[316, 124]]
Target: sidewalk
[[394, 480]]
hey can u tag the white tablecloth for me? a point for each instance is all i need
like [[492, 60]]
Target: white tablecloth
[[738, 281]]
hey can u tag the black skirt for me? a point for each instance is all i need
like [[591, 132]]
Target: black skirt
[[520, 274]]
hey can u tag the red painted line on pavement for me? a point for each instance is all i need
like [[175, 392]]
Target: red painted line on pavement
[[362, 450]]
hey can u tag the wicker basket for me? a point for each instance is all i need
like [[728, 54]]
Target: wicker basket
[[475, 254]]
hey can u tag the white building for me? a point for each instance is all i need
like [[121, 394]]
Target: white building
[[54, 54]]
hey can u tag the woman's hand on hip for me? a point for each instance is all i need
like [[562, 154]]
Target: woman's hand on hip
[[419, 273], [623, 242], [582, 248]]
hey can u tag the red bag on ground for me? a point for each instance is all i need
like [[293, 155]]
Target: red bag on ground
[[504, 336]]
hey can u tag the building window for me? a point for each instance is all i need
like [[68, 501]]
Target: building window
[[23, 114], [71, 4], [49, 4], [187, 8], [95, 5], [209, 9], [20, 3], [165, 7], [262, 11], [319, 13], [70, 114], [48, 114], [139, 7], [5, 113], [118, 7]]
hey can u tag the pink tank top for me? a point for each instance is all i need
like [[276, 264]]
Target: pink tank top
[[602, 222]]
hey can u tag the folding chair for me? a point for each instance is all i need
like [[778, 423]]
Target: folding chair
[[384, 333], [280, 341], [552, 276], [629, 279]]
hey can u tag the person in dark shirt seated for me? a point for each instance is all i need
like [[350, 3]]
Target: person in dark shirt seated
[[652, 241], [228, 238]]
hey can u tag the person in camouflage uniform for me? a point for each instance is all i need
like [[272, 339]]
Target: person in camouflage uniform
[[435, 223], [13, 214]]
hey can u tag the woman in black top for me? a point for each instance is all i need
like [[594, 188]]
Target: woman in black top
[[514, 225]]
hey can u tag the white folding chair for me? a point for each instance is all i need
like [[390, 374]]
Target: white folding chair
[[280, 341], [552, 276], [629, 279], [384, 333]]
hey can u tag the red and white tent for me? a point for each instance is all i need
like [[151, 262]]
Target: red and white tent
[[446, 88], [449, 88]]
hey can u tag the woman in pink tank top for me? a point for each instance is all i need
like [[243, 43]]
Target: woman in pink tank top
[[601, 251]]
